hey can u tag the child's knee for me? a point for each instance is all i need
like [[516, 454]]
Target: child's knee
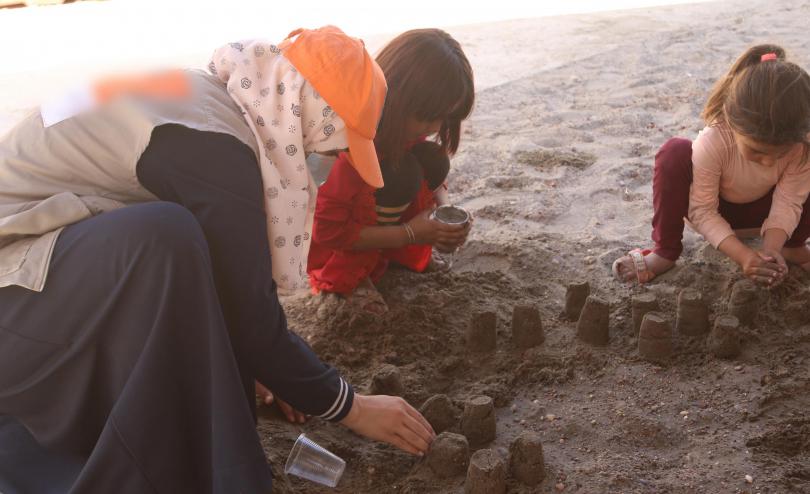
[[674, 155]]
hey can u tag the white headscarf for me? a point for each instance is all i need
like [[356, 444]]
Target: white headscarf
[[289, 119]]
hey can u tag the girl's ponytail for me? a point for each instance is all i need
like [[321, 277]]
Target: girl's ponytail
[[765, 98], [713, 111]]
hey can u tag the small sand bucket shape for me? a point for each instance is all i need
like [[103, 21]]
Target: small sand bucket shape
[[450, 215], [310, 461]]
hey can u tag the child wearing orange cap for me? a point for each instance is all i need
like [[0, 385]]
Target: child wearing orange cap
[[361, 227]]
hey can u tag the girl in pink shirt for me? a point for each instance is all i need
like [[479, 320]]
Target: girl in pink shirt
[[749, 168]]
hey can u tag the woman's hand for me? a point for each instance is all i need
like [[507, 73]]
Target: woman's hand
[[436, 233], [390, 419], [764, 268], [266, 396]]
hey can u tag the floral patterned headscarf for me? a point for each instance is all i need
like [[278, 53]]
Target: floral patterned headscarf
[[289, 120]]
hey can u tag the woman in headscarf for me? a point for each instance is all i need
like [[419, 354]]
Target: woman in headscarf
[[141, 244]]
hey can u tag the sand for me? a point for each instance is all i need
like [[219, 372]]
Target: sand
[[449, 455], [486, 473], [482, 332], [555, 165], [527, 327], [526, 458]]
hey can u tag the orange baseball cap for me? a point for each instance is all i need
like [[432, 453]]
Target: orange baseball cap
[[344, 74]]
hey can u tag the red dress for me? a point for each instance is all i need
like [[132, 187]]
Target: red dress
[[345, 205]]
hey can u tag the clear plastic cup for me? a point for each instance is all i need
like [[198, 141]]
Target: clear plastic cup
[[310, 461]]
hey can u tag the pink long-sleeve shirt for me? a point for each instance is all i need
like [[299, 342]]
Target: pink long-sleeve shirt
[[719, 170]]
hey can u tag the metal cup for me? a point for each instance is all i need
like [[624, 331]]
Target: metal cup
[[450, 215]]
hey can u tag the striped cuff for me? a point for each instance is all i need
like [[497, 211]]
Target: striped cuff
[[342, 404]]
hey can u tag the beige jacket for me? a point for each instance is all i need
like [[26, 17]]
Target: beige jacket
[[83, 166]]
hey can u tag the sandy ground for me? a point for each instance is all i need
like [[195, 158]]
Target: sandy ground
[[556, 164]]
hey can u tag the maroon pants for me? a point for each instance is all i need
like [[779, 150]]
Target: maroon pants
[[671, 181]]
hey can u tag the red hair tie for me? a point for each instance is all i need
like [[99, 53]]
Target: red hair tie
[[768, 56]]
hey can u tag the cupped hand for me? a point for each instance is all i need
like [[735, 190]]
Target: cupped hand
[[390, 419], [777, 257], [436, 233], [764, 268], [447, 248]]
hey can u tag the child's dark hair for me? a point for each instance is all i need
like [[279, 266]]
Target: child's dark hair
[[429, 78], [434, 161], [767, 100]]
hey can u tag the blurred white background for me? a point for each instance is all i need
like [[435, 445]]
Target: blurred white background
[[47, 48]]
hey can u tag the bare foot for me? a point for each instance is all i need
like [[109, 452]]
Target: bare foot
[[655, 265], [798, 255], [366, 298]]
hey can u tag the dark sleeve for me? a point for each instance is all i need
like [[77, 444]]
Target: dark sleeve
[[435, 162], [216, 177]]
